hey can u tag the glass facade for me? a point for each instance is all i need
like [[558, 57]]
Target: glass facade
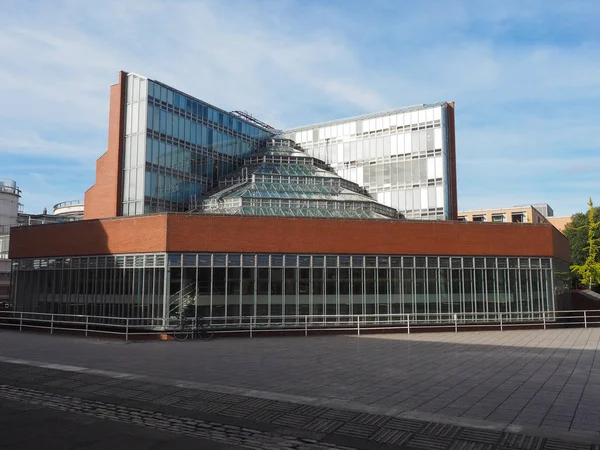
[[114, 286], [401, 157], [236, 286], [281, 180], [176, 147]]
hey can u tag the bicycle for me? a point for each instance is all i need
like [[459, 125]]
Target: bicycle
[[194, 327]]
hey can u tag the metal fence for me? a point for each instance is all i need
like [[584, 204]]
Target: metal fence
[[135, 328]]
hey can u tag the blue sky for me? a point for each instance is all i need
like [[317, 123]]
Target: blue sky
[[525, 76]]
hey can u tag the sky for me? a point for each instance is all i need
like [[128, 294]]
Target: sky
[[524, 75]]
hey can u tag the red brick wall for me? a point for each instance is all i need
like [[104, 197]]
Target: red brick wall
[[102, 200], [91, 237], [189, 233]]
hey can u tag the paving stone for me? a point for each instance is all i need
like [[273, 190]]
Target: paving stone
[[371, 419], [169, 400], [264, 415], [255, 403], [420, 441], [204, 406], [356, 430], [322, 425], [226, 398], [477, 435], [344, 416], [237, 411], [440, 429], [310, 410], [406, 424], [282, 406], [229, 434], [213, 396], [390, 436], [521, 441], [292, 420], [556, 444], [468, 445]]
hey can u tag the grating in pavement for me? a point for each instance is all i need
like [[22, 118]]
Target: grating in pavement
[[292, 420], [440, 429], [321, 425], [423, 442], [356, 430], [218, 432], [406, 424], [522, 441], [389, 436], [468, 445], [556, 444], [485, 436]]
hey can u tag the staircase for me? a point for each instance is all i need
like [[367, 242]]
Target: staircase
[[181, 300]]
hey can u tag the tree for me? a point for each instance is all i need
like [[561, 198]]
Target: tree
[[583, 233]]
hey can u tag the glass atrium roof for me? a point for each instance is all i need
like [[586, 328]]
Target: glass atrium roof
[[281, 180]]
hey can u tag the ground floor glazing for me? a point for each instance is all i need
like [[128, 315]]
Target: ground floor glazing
[[282, 287]]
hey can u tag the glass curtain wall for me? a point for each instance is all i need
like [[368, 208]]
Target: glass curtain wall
[[176, 147], [236, 286], [401, 156], [114, 286]]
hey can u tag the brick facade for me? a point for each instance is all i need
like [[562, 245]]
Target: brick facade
[[103, 199], [204, 233]]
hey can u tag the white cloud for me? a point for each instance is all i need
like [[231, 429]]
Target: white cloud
[[291, 63]]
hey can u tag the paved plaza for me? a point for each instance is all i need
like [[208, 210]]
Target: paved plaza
[[477, 390]]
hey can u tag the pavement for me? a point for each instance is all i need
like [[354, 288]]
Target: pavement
[[518, 389]]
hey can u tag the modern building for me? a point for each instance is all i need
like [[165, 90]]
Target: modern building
[[516, 214], [9, 210], [166, 149], [201, 212], [405, 158]]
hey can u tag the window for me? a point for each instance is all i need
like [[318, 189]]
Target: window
[[518, 217], [498, 218], [479, 218]]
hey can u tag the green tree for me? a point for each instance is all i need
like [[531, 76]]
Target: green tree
[[584, 237]]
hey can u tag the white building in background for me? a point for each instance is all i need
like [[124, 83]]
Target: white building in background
[[71, 210], [9, 211], [405, 158]]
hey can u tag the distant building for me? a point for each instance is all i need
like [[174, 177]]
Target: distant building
[[9, 210], [11, 215], [560, 223], [515, 214], [70, 210]]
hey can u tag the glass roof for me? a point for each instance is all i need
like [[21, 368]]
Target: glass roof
[[281, 180]]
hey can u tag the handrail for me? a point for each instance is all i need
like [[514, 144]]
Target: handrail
[[128, 326], [68, 203]]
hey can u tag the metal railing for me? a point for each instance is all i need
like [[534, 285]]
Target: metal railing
[[303, 324], [68, 203]]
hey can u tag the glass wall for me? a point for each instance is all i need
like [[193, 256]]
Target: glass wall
[[401, 157], [114, 286], [236, 286], [176, 147]]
